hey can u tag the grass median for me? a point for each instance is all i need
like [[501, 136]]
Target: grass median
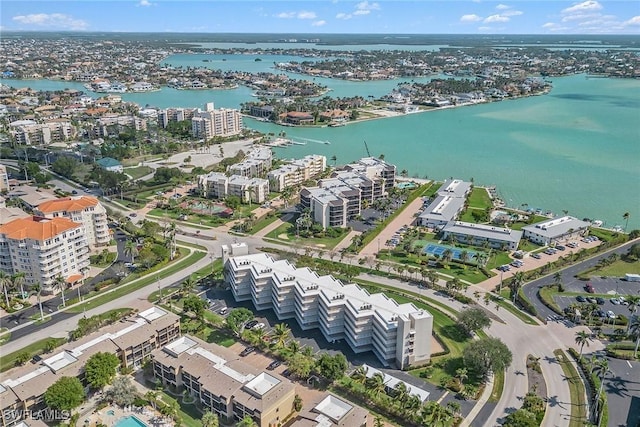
[[138, 284], [11, 360], [513, 310], [576, 390]]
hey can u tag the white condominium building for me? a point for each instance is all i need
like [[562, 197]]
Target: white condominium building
[[43, 249], [447, 204], [174, 115], [256, 163], [217, 185], [104, 125], [209, 123], [398, 334], [84, 209], [556, 229], [297, 171], [481, 234]]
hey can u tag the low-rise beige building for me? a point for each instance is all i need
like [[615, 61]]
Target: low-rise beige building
[[132, 340], [222, 383]]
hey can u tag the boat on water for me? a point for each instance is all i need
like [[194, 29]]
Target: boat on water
[[597, 223], [336, 124]]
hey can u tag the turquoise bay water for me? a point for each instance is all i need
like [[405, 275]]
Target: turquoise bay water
[[575, 149]]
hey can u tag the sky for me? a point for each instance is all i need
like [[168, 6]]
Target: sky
[[328, 16]]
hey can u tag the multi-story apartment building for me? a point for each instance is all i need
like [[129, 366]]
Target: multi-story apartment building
[[217, 185], [174, 115], [223, 384], [211, 122], [256, 163], [446, 206], [341, 197], [114, 124], [43, 249], [133, 340], [28, 132], [398, 334], [4, 179], [85, 210], [481, 234], [297, 171]]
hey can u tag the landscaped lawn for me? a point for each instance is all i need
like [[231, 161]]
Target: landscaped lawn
[[576, 390], [138, 171], [287, 233], [618, 269], [479, 198], [189, 415], [195, 219], [8, 361], [146, 280], [264, 222]]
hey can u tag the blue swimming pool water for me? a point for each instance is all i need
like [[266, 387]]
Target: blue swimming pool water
[[130, 421]]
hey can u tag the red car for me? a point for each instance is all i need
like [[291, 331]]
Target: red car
[[589, 288]]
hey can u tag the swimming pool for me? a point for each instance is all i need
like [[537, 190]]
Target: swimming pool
[[130, 421]]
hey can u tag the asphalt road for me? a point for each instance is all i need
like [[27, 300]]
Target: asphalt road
[[623, 393], [568, 278]]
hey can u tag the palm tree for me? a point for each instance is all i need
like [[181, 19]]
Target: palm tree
[[447, 255], [18, 282], [5, 282], [375, 384], [557, 279], [294, 347], [334, 159], [359, 376], [60, 284], [440, 415], [209, 419], [601, 369], [401, 392], [131, 250], [626, 216], [37, 288], [378, 421], [582, 338], [188, 285], [516, 284], [462, 374], [151, 396], [464, 258], [280, 334], [634, 303]]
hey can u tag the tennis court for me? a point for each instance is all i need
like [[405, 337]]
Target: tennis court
[[438, 250]]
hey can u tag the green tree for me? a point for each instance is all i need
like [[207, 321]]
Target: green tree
[[487, 355], [131, 250], [301, 365], [100, 369], [473, 319], [247, 421], [22, 358], [626, 216], [65, 166], [332, 367], [280, 334], [237, 318], [209, 419], [65, 394], [582, 338], [521, 418], [122, 392], [194, 304]]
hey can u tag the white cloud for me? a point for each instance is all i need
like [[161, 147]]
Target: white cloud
[[503, 7], [633, 21], [579, 17], [303, 14], [470, 18], [343, 16], [319, 23], [365, 5], [362, 12], [584, 6], [145, 3], [306, 15], [496, 18], [485, 28], [511, 13], [52, 21]]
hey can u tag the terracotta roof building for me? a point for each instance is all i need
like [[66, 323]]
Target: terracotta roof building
[[85, 210], [43, 249]]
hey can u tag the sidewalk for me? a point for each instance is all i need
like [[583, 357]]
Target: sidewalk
[[484, 398]]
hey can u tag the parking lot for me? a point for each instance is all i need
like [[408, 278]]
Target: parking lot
[[605, 289]]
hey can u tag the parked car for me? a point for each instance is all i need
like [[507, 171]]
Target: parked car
[[592, 300], [273, 365], [623, 301], [223, 311], [589, 288], [258, 326], [615, 301], [580, 298], [250, 324], [600, 301], [560, 247], [536, 256], [611, 314], [247, 351]]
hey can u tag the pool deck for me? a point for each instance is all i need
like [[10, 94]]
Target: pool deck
[[148, 416]]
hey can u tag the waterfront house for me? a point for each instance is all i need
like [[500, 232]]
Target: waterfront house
[[555, 230]]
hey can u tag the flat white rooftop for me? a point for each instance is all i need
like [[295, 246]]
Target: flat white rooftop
[[333, 408], [152, 314], [220, 364], [391, 381], [262, 384], [179, 346], [59, 361]]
